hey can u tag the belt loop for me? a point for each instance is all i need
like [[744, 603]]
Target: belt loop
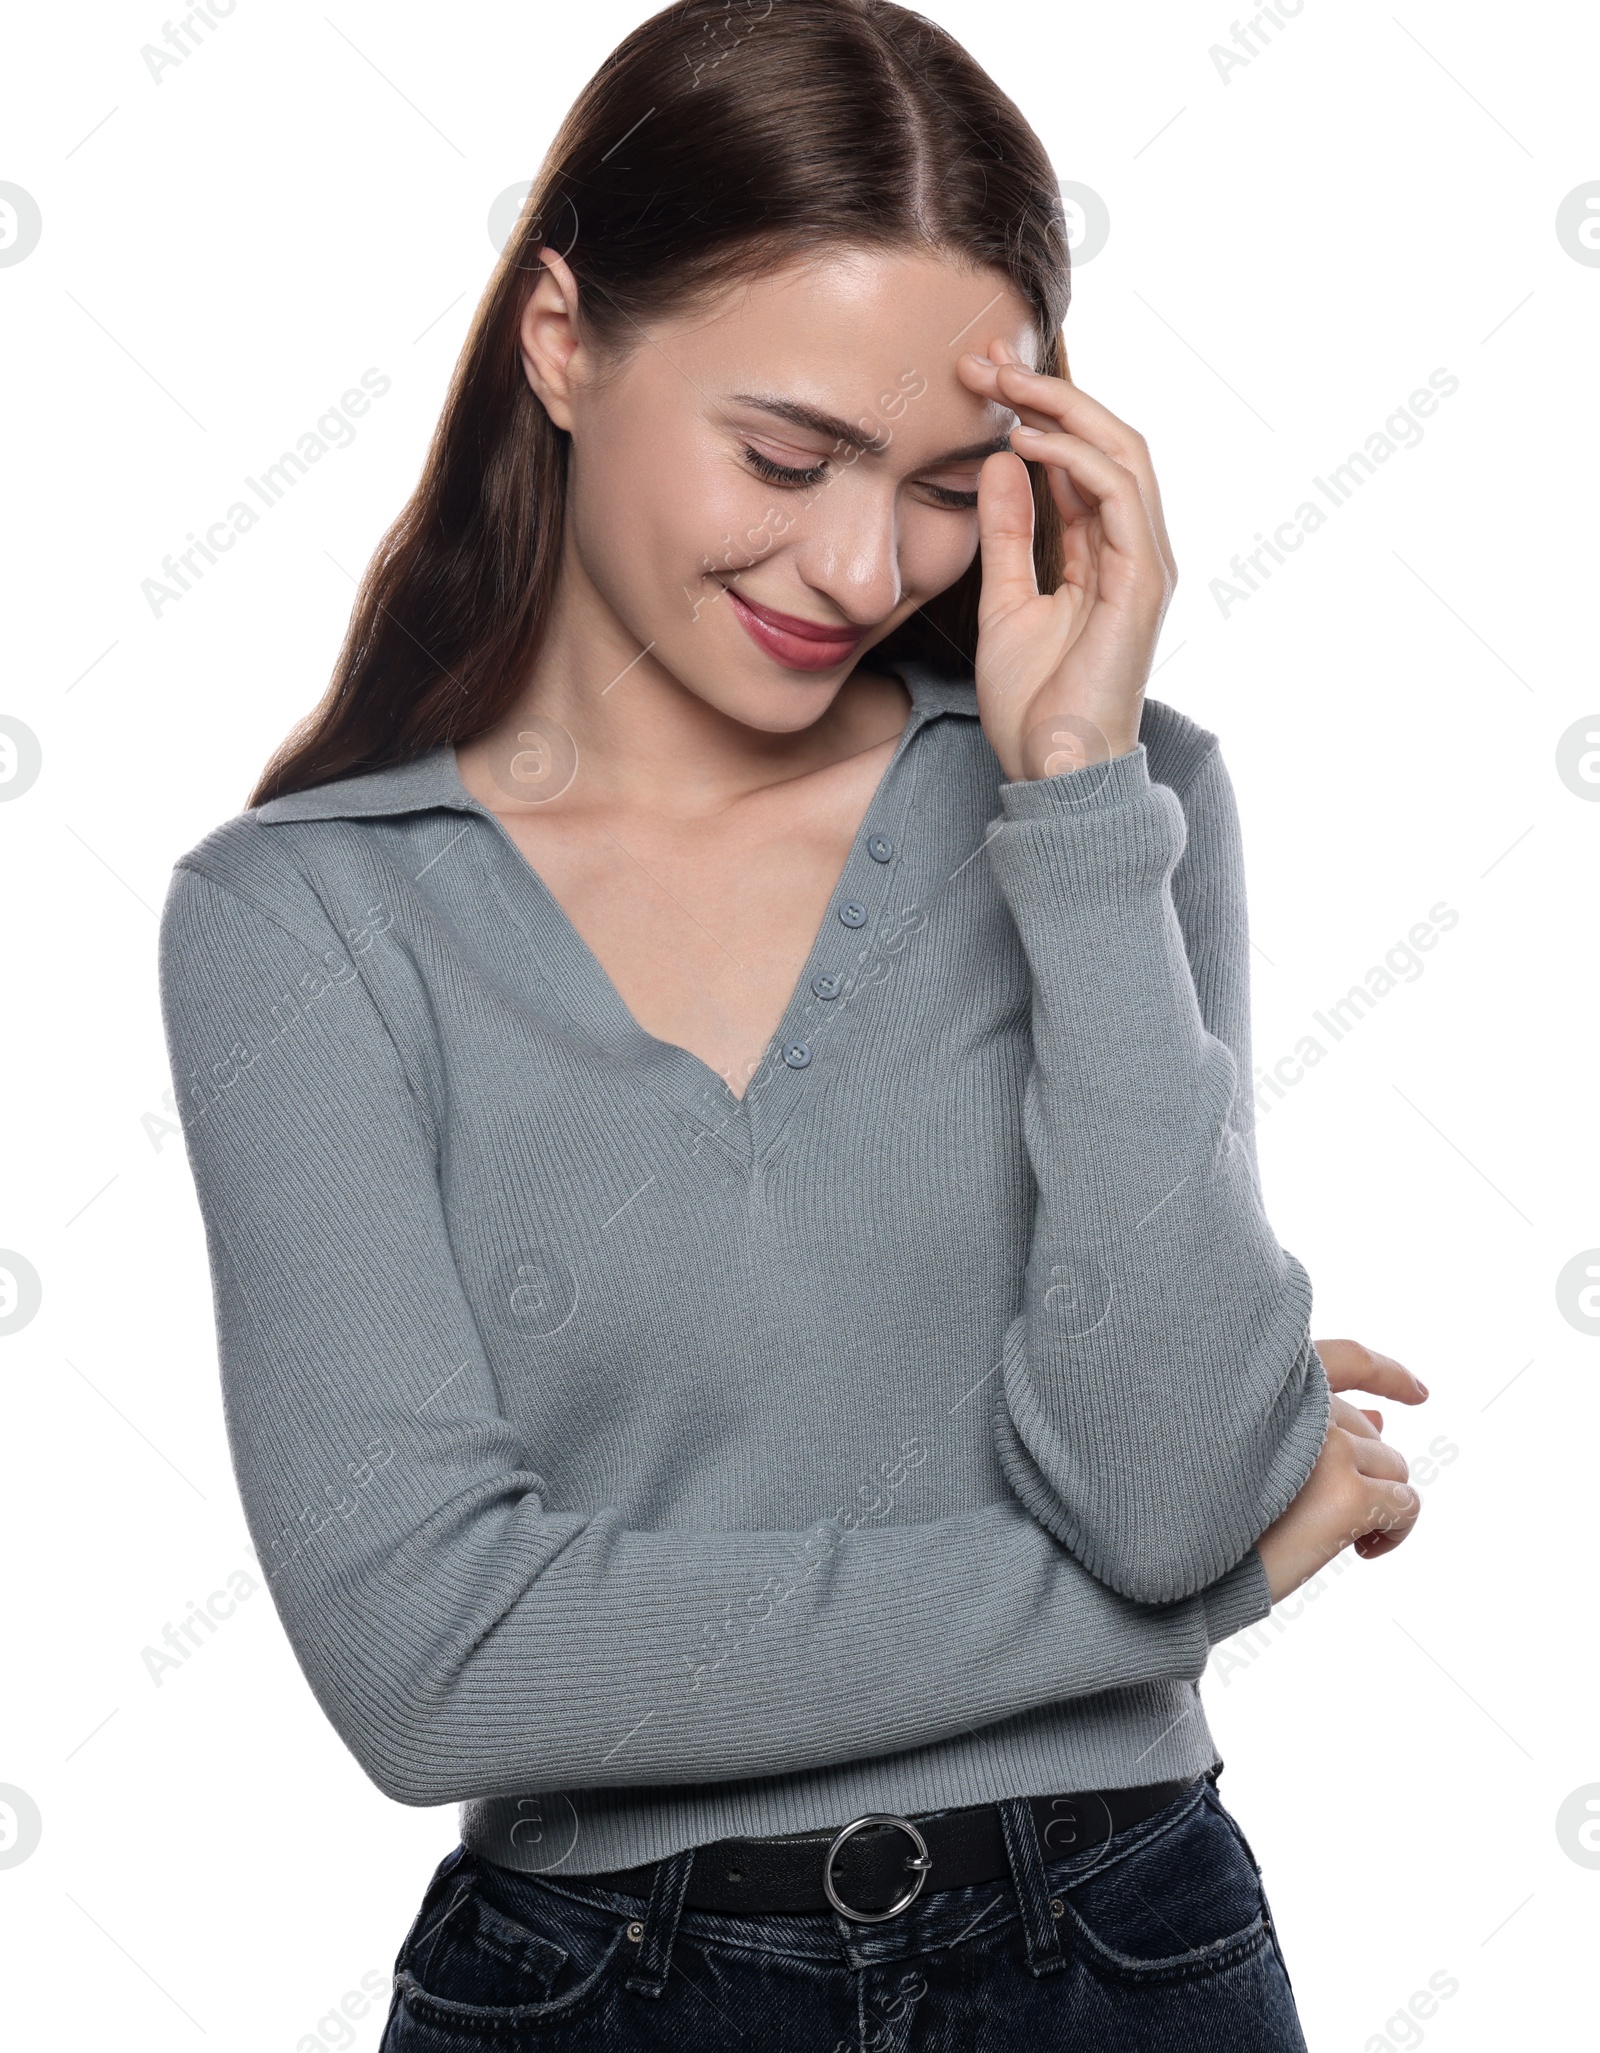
[[649, 1976], [1026, 1856]]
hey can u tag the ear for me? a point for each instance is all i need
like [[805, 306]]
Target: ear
[[549, 338]]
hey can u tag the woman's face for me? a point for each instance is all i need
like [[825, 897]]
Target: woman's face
[[761, 492]]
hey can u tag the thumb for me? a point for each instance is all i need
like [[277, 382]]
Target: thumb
[[1005, 536]]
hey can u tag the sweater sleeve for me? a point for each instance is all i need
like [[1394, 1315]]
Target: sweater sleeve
[[1161, 1401], [463, 1639]]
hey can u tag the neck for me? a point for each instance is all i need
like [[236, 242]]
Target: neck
[[647, 740]]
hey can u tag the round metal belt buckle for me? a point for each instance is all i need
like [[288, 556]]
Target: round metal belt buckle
[[921, 1860]]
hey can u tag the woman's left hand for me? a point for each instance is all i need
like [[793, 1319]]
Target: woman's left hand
[[1351, 1365], [1061, 675]]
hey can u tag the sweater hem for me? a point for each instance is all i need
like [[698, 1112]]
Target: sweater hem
[[1120, 1739]]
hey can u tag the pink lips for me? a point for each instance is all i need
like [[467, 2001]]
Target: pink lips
[[796, 644]]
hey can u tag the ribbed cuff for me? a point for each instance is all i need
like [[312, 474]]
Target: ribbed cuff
[[1104, 836], [1237, 1599], [1096, 786]]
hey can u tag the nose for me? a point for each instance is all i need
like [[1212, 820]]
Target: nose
[[849, 549]]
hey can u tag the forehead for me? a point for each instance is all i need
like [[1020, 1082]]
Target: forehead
[[836, 328]]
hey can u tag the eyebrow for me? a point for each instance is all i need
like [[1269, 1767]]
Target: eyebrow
[[820, 423]]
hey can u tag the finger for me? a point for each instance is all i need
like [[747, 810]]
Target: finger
[[1392, 1522], [1378, 1460], [1375, 1416], [1387, 1507], [1034, 394], [982, 373], [1074, 508], [1063, 404], [1351, 1366], [1005, 536], [1341, 1412], [1112, 491], [1384, 1538], [985, 373]]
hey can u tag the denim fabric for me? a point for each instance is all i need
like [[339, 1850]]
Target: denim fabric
[[1155, 1940]]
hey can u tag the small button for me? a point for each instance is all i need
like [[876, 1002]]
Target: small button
[[828, 985], [635, 1931], [880, 848], [853, 913], [797, 1055]]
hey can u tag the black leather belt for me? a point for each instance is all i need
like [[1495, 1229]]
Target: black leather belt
[[877, 1865]]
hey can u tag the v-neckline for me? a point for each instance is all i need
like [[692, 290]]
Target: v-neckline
[[555, 968], [689, 1075]]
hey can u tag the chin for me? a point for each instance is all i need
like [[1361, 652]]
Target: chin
[[783, 703]]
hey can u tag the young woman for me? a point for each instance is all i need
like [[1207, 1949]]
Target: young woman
[[716, 1066]]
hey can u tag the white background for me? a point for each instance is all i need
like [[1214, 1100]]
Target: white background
[[1293, 250]]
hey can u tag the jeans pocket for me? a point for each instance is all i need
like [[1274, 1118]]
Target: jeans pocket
[[1272, 1931], [506, 1950], [1183, 1901]]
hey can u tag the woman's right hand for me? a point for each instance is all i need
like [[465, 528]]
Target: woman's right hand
[[1358, 1490]]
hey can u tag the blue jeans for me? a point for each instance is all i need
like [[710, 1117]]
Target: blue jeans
[[1157, 1941]]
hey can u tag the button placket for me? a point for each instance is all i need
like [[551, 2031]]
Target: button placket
[[829, 984], [814, 1006], [854, 914]]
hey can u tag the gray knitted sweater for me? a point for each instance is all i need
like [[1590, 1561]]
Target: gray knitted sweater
[[634, 1464]]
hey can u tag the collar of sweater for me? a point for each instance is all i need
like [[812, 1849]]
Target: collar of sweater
[[433, 780]]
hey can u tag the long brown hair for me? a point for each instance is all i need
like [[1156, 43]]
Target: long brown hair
[[719, 140]]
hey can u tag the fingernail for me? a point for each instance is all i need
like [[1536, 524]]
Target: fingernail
[[1422, 1386], [986, 361], [1037, 433]]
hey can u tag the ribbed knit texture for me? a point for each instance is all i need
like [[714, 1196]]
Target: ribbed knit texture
[[635, 1464]]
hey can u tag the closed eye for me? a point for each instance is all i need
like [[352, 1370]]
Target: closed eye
[[783, 473], [795, 477], [946, 495]]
